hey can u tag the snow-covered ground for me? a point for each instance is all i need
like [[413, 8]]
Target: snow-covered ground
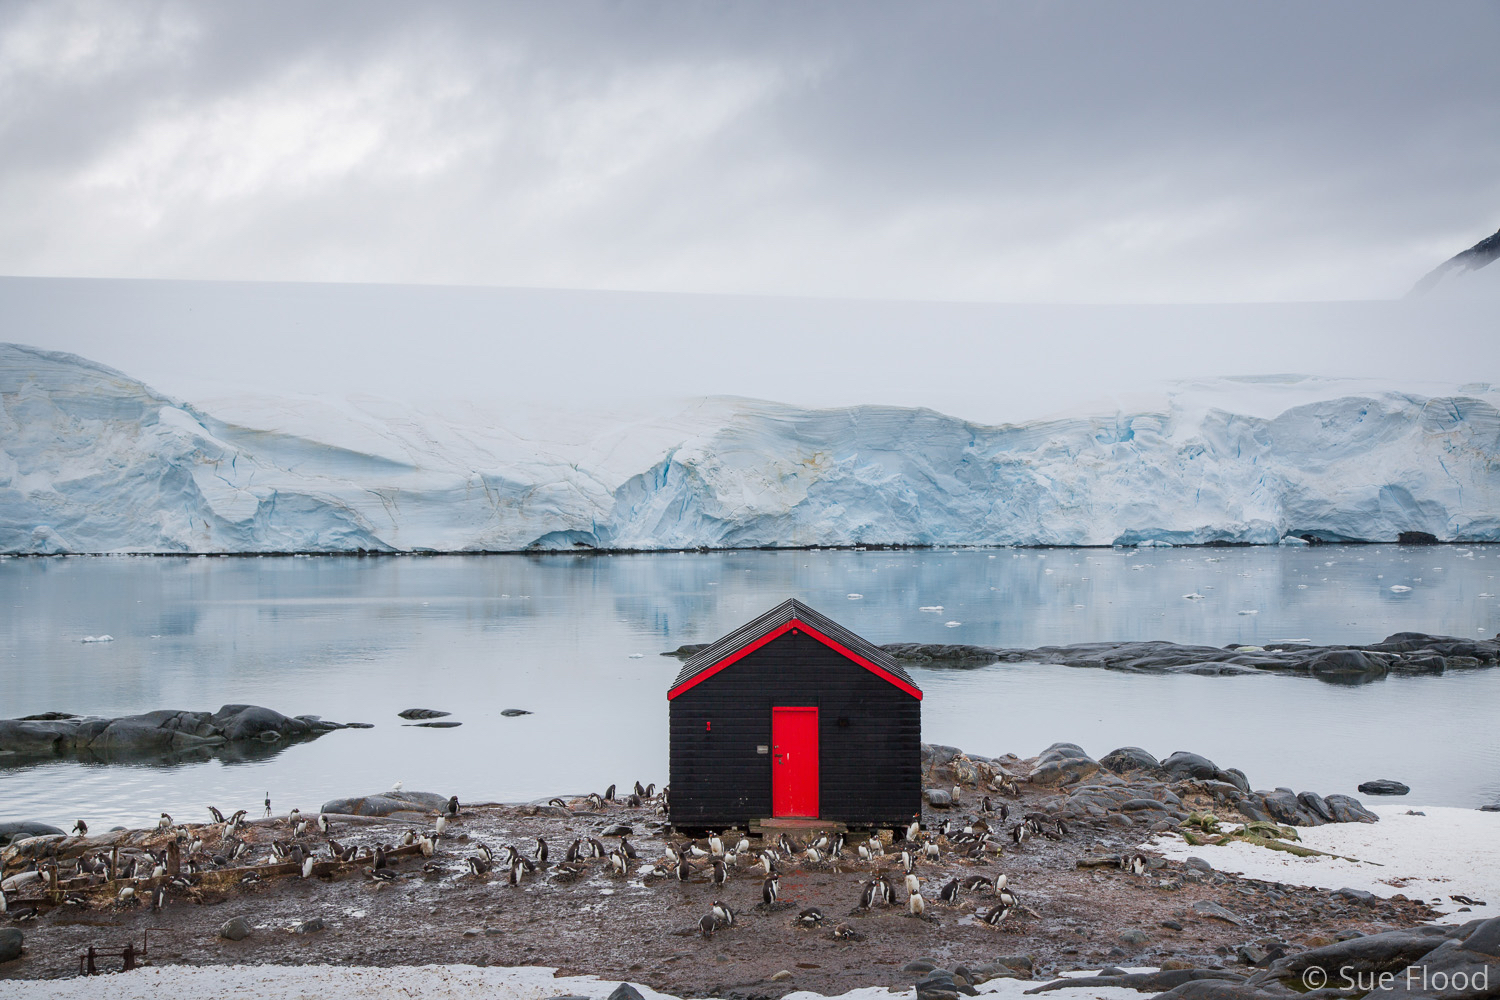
[[92, 460], [448, 982], [1446, 852]]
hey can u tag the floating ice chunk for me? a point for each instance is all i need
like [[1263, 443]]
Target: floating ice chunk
[[931, 607], [637, 656], [1399, 588], [97, 638], [1194, 596], [1301, 586], [1248, 611], [1304, 642], [952, 624], [855, 597]]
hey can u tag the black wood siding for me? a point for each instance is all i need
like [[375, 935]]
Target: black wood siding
[[869, 769]]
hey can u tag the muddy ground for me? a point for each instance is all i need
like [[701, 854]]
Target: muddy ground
[[644, 928]]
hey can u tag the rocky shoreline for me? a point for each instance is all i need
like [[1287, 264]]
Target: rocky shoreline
[[161, 733], [1083, 901], [1401, 654]]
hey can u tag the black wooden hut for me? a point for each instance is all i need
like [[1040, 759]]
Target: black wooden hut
[[793, 715]]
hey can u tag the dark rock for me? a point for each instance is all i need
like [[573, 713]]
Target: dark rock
[[1356, 895], [1127, 760], [1171, 925], [1347, 809], [1183, 765], [1234, 776], [1062, 764], [1145, 982], [919, 965], [1383, 786], [422, 713], [626, 992], [235, 929], [1213, 911], [938, 798], [937, 985], [1284, 807], [11, 941], [433, 725], [21, 829], [1337, 662], [617, 830], [511, 713], [687, 649], [1493, 807], [1133, 936], [1314, 804], [1199, 864], [309, 926], [386, 803], [1374, 953], [1212, 989]]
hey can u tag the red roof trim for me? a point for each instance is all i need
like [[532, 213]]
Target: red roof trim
[[776, 633]]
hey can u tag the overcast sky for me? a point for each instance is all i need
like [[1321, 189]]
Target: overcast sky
[[1043, 152]]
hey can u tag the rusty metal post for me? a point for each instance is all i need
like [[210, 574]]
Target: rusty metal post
[[129, 956], [92, 959], [174, 859]]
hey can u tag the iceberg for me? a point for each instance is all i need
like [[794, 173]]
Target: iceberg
[[93, 461]]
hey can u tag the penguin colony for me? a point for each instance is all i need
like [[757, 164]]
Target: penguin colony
[[932, 867]]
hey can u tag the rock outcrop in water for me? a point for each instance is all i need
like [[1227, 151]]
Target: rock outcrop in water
[[1405, 653], [157, 733]]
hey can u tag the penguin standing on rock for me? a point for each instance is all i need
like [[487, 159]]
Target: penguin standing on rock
[[453, 805], [81, 829], [723, 914]]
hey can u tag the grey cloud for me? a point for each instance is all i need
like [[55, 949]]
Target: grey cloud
[[1023, 151]]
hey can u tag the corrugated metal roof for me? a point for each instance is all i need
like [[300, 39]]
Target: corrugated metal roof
[[778, 616]]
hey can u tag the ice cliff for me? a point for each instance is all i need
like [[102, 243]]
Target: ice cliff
[[92, 460]]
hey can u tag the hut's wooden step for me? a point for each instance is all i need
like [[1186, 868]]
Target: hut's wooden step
[[795, 825]]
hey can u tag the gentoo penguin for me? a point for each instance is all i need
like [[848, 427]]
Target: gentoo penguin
[[835, 852], [335, 849], [299, 828], [887, 891], [127, 894], [812, 855], [1000, 882], [913, 830], [770, 888], [479, 866], [864, 852], [810, 917], [293, 818], [912, 884], [541, 851], [1004, 811], [619, 862], [218, 817], [165, 822], [1020, 833], [957, 791], [742, 846], [916, 905], [324, 826], [238, 817], [684, 869], [516, 870], [930, 849], [868, 894], [949, 892], [995, 916], [707, 925], [627, 848], [379, 858], [651, 790], [715, 844], [453, 805], [720, 873], [571, 854], [1135, 864], [908, 862], [1006, 897], [640, 790], [595, 801], [723, 914], [81, 828], [307, 866], [4, 901], [559, 803], [596, 846], [408, 838], [439, 825], [426, 846], [985, 806], [768, 862], [609, 794]]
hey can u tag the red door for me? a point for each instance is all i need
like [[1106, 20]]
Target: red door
[[794, 762]]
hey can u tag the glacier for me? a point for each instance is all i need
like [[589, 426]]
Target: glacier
[[94, 461]]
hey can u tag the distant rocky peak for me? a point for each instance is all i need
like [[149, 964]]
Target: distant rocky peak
[[1473, 259]]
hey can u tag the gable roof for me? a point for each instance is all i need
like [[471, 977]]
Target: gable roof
[[786, 616]]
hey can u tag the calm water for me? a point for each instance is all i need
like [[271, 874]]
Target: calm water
[[575, 639]]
